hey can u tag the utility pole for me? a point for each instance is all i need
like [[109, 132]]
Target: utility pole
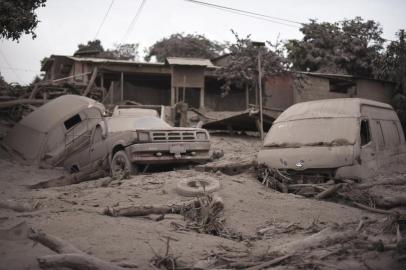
[[261, 117]]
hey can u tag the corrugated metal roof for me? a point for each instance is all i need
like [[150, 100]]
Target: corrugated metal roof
[[180, 61], [340, 107], [113, 61]]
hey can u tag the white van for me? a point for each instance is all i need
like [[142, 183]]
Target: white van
[[335, 138]]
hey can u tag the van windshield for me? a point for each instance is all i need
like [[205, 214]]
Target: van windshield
[[313, 132]]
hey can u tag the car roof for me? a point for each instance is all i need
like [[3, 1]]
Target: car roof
[[339, 107], [59, 109]]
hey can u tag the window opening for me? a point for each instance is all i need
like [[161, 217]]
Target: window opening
[[74, 120], [365, 132]]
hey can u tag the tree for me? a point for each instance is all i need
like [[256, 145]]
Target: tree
[[392, 64], [242, 66], [181, 45], [91, 46], [128, 51], [346, 47], [18, 17], [392, 67]]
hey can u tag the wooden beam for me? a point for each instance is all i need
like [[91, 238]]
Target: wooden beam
[[122, 87], [91, 82]]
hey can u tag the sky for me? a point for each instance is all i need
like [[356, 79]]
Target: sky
[[66, 23]]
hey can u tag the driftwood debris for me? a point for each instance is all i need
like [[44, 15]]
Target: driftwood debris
[[270, 263], [70, 179], [226, 167], [328, 192], [68, 255]]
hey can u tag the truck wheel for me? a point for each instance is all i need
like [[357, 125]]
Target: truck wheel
[[196, 187], [121, 165]]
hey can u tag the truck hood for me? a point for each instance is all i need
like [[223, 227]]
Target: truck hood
[[307, 157]]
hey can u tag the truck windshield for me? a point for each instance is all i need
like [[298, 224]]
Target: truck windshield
[[317, 131], [116, 124]]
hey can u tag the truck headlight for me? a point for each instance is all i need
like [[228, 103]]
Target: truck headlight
[[201, 136], [143, 136]]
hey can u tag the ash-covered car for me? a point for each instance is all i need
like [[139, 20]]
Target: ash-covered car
[[125, 141]]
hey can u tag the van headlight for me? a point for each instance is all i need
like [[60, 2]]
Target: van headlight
[[201, 136], [143, 136]]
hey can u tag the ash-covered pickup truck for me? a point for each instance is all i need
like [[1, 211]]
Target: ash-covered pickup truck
[[125, 140]]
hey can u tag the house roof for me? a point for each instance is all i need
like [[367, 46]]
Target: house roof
[[97, 60], [339, 76], [327, 108], [198, 62]]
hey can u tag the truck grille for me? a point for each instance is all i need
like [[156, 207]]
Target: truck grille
[[163, 136]]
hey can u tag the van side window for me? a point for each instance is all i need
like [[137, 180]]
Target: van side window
[[74, 120], [365, 132]]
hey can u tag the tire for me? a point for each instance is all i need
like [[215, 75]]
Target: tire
[[196, 187], [120, 164]]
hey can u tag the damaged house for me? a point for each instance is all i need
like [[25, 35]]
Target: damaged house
[[194, 81], [178, 79]]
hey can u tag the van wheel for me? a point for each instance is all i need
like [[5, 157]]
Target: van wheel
[[196, 187], [121, 166]]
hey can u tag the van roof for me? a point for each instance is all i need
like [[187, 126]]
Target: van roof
[[48, 115], [339, 107]]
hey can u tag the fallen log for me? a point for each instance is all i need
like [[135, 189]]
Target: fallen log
[[326, 237], [70, 179], [390, 202], [17, 206], [144, 210], [11, 103], [69, 256], [374, 210], [328, 192], [75, 261]]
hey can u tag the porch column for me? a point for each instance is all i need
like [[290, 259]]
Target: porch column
[[201, 98]]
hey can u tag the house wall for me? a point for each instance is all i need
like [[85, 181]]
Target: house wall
[[191, 77], [146, 95], [234, 101], [376, 90], [278, 92], [314, 88]]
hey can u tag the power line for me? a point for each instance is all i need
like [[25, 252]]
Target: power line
[[21, 69], [104, 19], [255, 17], [9, 66], [248, 13], [133, 21]]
